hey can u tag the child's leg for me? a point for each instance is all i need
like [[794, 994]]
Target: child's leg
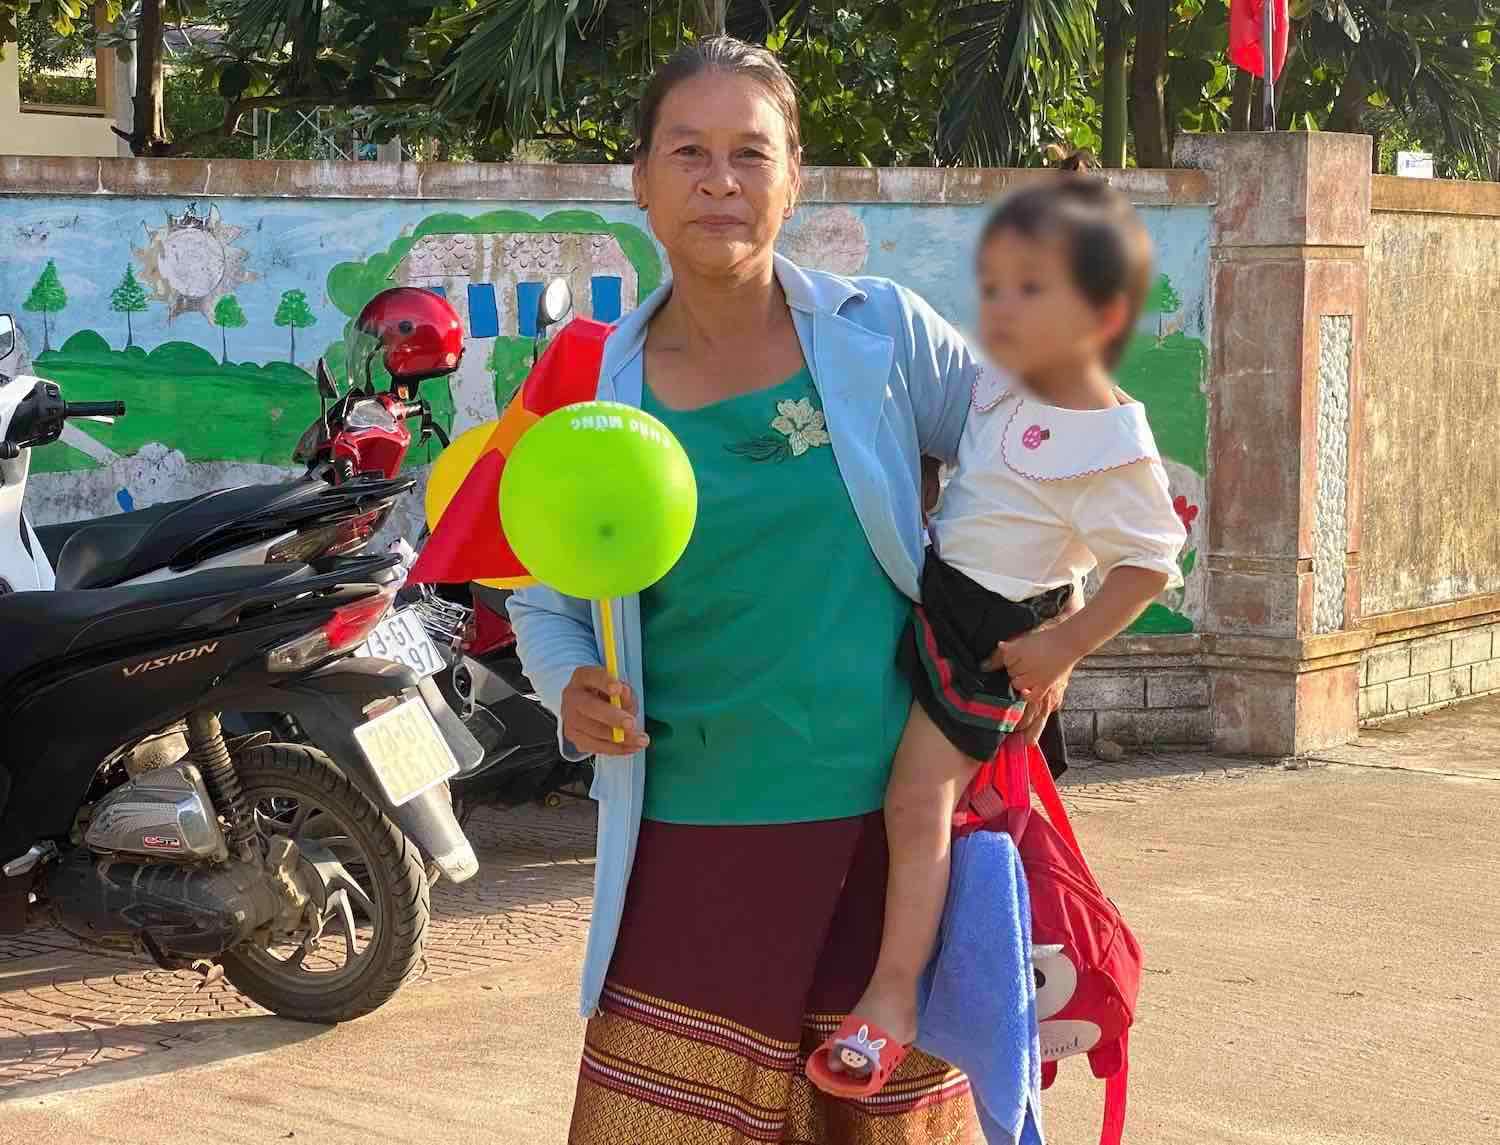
[[927, 780]]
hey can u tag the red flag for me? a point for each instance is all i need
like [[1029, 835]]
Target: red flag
[[469, 542], [1247, 24]]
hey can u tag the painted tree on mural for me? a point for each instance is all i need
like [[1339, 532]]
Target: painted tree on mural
[[295, 313], [128, 298], [228, 316], [1162, 301], [47, 297]]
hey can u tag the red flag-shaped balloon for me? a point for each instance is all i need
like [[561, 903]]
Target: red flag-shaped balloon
[[1247, 27], [469, 542]]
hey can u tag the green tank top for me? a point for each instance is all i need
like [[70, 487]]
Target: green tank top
[[772, 690]]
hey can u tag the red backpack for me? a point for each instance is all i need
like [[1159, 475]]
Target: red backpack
[[1088, 964]]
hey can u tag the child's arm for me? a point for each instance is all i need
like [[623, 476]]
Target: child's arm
[[1042, 657]]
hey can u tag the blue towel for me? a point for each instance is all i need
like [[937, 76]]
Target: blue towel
[[977, 1000]]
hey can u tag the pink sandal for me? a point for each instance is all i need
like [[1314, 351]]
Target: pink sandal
[[856, 1061]]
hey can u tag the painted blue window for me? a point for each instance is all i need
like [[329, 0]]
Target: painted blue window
[[606, 292], [528, 295], [440, 291], [484, 318]]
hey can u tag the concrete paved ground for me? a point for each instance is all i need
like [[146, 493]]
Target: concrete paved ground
[[1323, 949]]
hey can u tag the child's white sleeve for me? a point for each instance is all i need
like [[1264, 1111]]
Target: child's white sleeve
[[1125, 517]]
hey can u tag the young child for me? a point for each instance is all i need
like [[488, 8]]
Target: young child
[[1057, 474]]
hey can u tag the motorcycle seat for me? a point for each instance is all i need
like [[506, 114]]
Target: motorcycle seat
[[109, 550], [54, 537], [36, 627]]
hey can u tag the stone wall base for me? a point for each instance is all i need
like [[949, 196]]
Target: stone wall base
[[1142, 691], [1429, 660]]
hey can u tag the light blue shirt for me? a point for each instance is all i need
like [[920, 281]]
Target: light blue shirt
[[895, 381]]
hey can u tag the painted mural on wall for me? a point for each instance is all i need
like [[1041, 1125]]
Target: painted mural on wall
[[207, 319]]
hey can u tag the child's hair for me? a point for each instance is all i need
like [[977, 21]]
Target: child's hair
[[1108, 247]]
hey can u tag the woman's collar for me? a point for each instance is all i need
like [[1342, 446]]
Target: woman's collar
[[813, 292]]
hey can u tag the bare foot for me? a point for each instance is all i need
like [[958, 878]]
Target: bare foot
[[892, 1007]]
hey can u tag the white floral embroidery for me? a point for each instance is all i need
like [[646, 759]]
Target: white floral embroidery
[[803, 426]]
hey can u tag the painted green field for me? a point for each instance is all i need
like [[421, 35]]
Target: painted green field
[[180, 395], [1167, 376]]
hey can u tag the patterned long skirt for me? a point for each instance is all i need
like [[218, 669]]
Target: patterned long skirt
[[741, 949]]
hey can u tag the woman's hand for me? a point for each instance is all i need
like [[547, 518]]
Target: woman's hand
[[589, 719]]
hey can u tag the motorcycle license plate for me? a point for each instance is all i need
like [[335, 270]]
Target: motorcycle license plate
[[406, 750], [400, 636]]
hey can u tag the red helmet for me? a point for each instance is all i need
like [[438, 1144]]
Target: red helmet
[[416, 330]]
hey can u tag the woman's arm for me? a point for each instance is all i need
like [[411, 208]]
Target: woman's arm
[[940, 373]]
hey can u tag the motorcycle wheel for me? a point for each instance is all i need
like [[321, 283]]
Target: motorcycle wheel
[[376, 908]]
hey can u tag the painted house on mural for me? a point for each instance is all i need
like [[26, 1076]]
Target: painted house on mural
[[495, 281]]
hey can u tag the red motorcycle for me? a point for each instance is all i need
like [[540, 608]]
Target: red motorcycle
[[410, 333]]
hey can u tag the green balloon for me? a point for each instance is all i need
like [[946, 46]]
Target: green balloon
[[598, 500]]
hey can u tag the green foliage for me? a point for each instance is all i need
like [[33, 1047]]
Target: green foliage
[[181, 358], [510, 361], [1166, 375], [47, 298], [871, 79], [87, 345], [294, 311], [1159, 620], [1011, 60], [882, 81], [228, 316], [227, 313], [47, 294], [129, 297]]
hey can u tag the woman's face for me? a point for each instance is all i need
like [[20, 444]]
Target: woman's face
[[719, 180]]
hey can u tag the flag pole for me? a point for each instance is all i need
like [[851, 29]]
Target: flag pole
[[1268, 46]]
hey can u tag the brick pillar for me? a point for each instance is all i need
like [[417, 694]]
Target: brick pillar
[[1288, 286]]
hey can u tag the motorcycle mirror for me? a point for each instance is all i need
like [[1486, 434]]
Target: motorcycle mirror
[[7, 335], [554, 303], [326, 386]]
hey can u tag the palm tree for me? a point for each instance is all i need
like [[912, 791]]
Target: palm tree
[[1431, 60], [1010, 55]]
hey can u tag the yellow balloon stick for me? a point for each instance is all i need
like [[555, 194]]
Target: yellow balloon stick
[[611, 656]]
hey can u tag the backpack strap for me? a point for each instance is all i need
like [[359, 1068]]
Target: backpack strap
[[1114, 1097], [1023, 769], [1043, 784]]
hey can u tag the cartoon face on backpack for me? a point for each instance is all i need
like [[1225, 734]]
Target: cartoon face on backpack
[[1056, 984]]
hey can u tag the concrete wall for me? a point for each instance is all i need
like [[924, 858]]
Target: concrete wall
[[1432, 378], [1431, 559], [300, 247]]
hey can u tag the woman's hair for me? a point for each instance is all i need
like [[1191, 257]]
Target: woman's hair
[[732, 57], [1109, 251]]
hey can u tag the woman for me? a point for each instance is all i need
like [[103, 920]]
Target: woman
[[761, 702]]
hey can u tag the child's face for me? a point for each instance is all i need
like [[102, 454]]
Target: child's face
[[1033, 320]]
